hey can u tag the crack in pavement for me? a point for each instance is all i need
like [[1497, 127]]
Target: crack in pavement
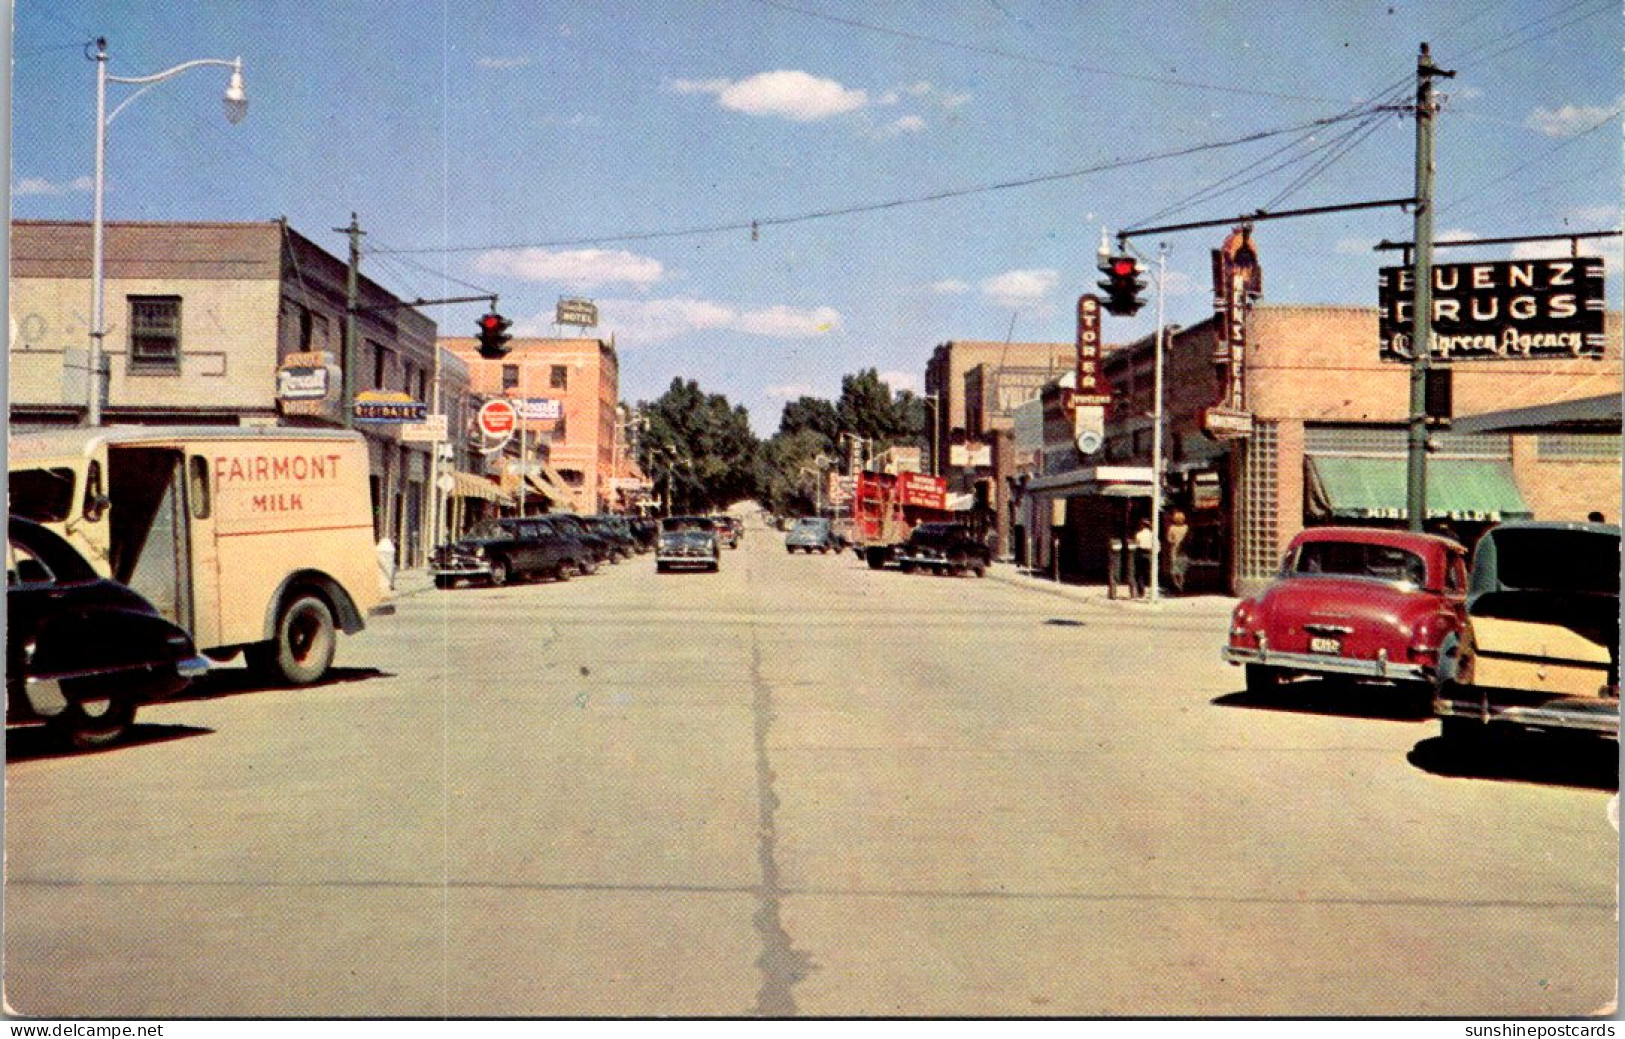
[[781, 965]]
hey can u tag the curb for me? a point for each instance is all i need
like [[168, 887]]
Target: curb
[[1095, 595]]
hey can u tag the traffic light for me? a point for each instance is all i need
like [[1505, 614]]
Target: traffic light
[[1122, 284], [494, 335]]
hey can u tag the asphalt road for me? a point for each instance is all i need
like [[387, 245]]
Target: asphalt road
[[799, 787]]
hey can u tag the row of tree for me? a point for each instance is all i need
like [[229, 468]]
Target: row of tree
[[701, 451]]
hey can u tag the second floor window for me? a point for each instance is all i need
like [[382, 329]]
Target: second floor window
[[155, 333], [510, 376], [560, 377]]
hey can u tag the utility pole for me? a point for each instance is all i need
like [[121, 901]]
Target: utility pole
[[1156, 427], [1416, 460], [352, 296]]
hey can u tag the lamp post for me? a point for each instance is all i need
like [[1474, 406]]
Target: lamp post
[[236, 106]]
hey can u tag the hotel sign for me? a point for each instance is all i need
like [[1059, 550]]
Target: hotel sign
[[580, 312], [1501, 310]]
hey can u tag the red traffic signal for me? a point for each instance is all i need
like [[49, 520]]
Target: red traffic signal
[[1122, 285], [494, 335]]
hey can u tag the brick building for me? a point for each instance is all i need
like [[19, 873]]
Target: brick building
[[1327, 444], [582, 450]]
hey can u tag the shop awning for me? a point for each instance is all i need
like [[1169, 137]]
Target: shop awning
[[468, 485], [1590, 415], [1107, 481], [1466, 489], [535, 487]]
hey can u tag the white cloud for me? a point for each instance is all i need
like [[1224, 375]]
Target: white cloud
[[579, 268], [1609, 250], [1456, 234], [907, 124], [791, 391], [1354, 246], [638, 321], [783, 322], [900, 380], [1017, 289], [501, 63], [949, 287], [786, 93], [42, 186], [1568, 120]]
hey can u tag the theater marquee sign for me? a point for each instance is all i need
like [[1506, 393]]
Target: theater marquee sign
[[1502, 310]]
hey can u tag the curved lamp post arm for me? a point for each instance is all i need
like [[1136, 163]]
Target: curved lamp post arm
[[236, 98]]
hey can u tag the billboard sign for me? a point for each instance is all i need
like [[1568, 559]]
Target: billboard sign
[[580, 312], [929, 492], [384, 407], [537, 409], [1499, 310]]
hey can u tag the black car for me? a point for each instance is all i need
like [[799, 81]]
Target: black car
[[647, 532], [612, 529], [503, 550], [599, 547], [944, 548], [83, 652]]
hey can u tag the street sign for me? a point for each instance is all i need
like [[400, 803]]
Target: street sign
[[387, 407], [1498, 310], [497, 418], [581, 312], [537, 409], [428, 431]]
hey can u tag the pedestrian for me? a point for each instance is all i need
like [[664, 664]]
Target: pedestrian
[[1144, 541], [1174, 539]]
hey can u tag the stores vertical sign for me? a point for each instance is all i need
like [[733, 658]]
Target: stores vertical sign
[[1090, 396]]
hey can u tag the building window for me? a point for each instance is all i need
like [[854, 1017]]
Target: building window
[[559, 378], [1579, 447], [380, 365], [155, 334], [510, 377]]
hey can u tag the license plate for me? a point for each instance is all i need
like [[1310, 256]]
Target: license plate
[[1322, 644]]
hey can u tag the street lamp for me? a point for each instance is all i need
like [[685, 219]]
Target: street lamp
[[236, 107]]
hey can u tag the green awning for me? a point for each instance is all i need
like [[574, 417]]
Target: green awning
[[1465, 489]]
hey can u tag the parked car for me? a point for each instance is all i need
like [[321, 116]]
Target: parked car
[[505, 550], [621, 543], [1366, 603], [599, 548], [944, 548], [647, 532], [83, 652], [1543, 651], [688, 542], [810, 534]]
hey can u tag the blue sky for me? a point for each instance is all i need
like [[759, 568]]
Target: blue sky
[[519, 147]]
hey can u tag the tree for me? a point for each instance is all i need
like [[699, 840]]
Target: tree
[[787, 468], [869, 409], [814, 414], [699, 450]]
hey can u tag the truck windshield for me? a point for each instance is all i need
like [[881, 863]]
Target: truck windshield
[[42, 495]]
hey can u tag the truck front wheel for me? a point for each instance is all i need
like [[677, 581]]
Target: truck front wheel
[[302, 649]]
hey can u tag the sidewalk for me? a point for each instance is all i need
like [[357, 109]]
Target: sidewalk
[[1096, 595], [411, 582]]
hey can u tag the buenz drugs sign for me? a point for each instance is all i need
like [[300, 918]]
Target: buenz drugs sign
[[1502, 310]]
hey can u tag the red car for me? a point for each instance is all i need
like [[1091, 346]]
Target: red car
[[1375, 604]]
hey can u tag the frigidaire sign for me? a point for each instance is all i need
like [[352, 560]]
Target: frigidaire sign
[[1507, 309]]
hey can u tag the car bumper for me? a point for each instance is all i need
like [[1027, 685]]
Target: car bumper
[[933, 561], [1328, 664], [463, 570], [704, 561]]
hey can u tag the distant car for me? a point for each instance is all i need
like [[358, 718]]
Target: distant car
[[731, 529], [83, 652], [600, 548], [511, 549], [810, 534], [944, 548], [688, 542], [1543, 605], [646, 531], [1365, 603], [622, 545], [845, 533]]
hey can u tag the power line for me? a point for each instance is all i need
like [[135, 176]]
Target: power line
[[1351, 140], [997, 52], [1543, 156], [898, 203]]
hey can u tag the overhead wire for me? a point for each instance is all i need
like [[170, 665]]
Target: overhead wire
[[897, 203]]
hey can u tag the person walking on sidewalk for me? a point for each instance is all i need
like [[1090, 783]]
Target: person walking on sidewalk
[[1174, 545], [1144, 541]]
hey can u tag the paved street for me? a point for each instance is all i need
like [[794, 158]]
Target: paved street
[[799, 787]]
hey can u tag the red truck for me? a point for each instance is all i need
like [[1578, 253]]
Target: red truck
[[886, 508]]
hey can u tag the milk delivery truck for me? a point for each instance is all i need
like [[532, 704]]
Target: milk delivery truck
[[254, 540]]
